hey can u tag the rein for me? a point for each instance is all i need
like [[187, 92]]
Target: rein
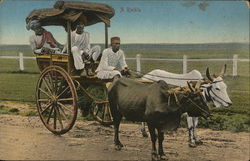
[[216, 96], [213, 98], [198, 106], [173, 91]]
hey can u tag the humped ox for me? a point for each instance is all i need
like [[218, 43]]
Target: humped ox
[[156, 104], [214, 90]]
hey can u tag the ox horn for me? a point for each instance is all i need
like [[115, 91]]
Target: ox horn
[[223, 70], [208, 75], [198, 84], [191, 87]]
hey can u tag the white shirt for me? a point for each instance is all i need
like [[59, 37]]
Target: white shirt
[[82, 41], [111, 60]]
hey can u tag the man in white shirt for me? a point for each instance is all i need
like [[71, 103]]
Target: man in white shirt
[[43, 41], [80, 47], [113, 62]]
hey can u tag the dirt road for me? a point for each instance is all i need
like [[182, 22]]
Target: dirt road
[[26, 138]]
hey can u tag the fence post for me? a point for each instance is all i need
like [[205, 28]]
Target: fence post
[[184, 65], [138, 64], [21, 64], [235, 63]]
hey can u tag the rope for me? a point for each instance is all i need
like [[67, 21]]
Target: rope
[[198, 106], [174, 92]]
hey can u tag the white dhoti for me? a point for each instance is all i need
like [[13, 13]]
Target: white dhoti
[[108, 74], [93, 53]]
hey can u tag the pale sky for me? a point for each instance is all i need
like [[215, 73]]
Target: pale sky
[[144, 21]]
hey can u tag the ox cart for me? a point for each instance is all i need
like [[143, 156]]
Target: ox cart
[[60, 90]]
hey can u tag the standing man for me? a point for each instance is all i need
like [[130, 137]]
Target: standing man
[[43, 41], [80, 47], [112, 64]]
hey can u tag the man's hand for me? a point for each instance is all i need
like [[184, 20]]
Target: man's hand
[[45, 50], [85, 56]]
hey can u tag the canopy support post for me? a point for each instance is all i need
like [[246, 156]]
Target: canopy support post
[[106, 36], [69, 36], [70, 57]]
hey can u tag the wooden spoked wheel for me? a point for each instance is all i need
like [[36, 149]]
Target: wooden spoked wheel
[[56, 100], [101, 110]]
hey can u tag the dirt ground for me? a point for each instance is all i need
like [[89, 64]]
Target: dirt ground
[[25, 138]]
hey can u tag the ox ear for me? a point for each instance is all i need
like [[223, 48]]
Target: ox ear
[[190, 87], [198, 85], [223, 70], [208, 75]]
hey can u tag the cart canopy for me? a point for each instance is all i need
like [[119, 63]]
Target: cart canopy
[[75, 12]]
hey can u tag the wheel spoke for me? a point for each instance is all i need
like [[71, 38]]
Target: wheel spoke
[[55, 117], [103, 113], [55, 82], [110, 115], [65, 99], [63, 91], [44, 92], [47, 86], [47, 106], [60, 86], [51, 81], [51, 110], [59, 117], [62, 105], [63, 113], [97, 110], [43, 100]]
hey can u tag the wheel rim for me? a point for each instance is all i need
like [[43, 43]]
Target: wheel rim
[[102, 113], [56, 100]]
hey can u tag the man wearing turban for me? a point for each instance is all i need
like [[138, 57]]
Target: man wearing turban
[[43, 41]]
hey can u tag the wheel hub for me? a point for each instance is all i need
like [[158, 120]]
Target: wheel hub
[[54, 99]]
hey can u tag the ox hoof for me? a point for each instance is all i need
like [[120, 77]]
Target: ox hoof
[[144, 134], [198, 142], [154, 156], [163, 157], [118, 146], [192, 145]]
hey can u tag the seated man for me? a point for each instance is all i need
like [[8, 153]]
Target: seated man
[[43, 41], [80, 47], [112, 64]]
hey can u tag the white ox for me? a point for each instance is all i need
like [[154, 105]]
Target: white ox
[[214, 89]]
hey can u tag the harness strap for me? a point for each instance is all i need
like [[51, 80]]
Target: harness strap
[[198, 106], [218, 97]]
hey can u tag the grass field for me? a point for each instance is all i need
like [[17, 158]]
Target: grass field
[[16, 86]]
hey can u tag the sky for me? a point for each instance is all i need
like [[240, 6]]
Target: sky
[[142, 21]]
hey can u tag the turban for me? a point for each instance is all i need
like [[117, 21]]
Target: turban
[[33, 24]]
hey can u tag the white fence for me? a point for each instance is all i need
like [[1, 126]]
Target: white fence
[[138, 59]]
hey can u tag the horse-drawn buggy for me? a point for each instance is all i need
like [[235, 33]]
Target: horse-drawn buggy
[[60, 89]]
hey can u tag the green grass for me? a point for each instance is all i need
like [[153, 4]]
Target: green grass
[[16, 86]]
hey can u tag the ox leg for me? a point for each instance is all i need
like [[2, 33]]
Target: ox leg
[[191, 132], [196, 138], [151, 129], [117, 120], [160, 140], [143, 130]]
